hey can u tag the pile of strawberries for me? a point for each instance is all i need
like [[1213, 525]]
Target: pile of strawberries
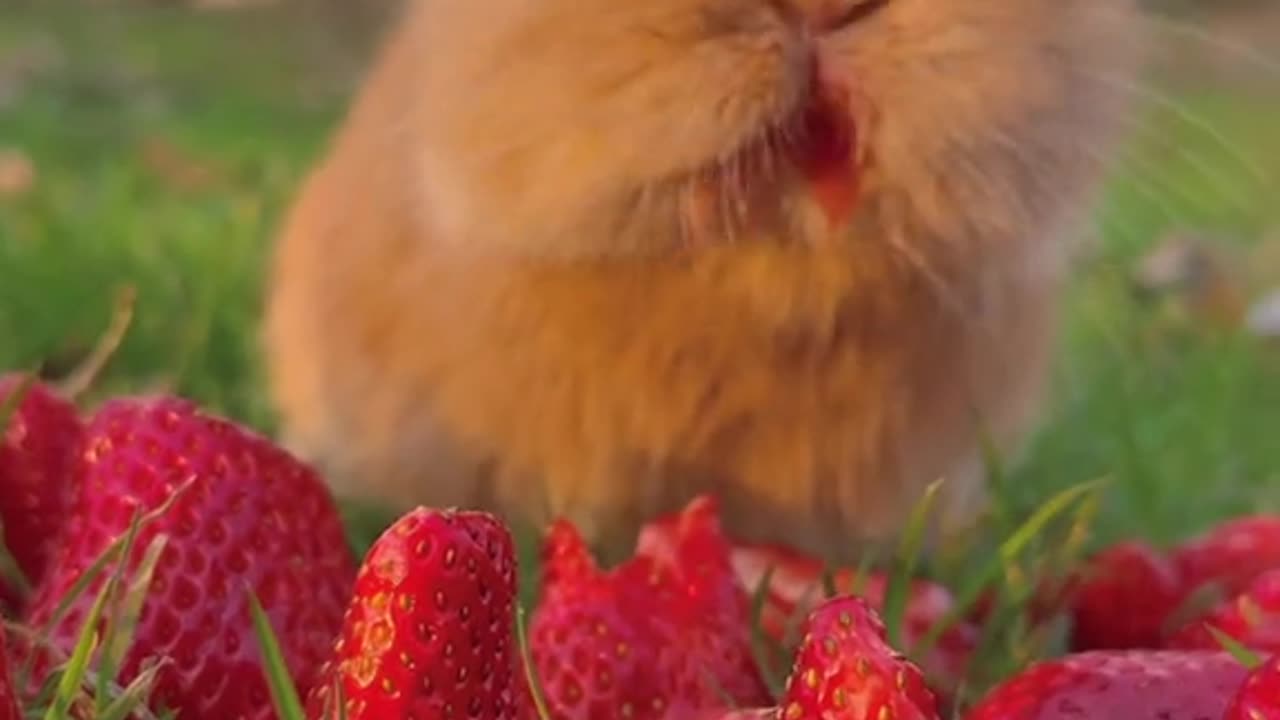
[[213, 521]]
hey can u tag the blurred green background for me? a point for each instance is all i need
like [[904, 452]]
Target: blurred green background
[[154, 145]]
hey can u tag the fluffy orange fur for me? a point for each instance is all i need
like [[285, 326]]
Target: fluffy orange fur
[[499, 289]]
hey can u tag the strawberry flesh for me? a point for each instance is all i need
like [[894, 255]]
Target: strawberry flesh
[[690, 549], [664, 635]]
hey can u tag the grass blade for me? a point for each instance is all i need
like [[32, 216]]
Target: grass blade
[[283, 692], [860, 578], [530, 673], [107, 670], [43, 696], [1244, 655], [899, 583], [9, 406], [83, 377], [995, 475], [90, 575], [829, 588], [794, 623], [759, 642], [722, 692], [1008, 550], [129, 701], [124, 622], [107, 555], [69, 683], [81, 585]]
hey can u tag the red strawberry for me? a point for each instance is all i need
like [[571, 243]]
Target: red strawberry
[[1122, 599], [661, 636], [1231, 554], [8, 697], [845, 669], [795, 588], [429, 631], [1117, 685], [252, 518], [1259, 697], [1252, 618], [601, 646], [37, 453], [982, 608], [691, 550]]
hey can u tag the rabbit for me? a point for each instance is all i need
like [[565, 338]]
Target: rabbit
[[587, 260]]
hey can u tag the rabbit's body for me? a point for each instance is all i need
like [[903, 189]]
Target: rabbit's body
[[618, 295]]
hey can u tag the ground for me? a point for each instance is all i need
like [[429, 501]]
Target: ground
[[166, 142]]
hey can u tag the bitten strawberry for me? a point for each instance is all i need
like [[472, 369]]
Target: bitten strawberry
[[1117, 685], [1252, 618], [795, 588], [37, 453], [1259, 697], [251, 517], [429, 630], [1231, 554], [663, 635], [8, 696], [1122, 599], [690, 550], [601, 646], [846, 670]]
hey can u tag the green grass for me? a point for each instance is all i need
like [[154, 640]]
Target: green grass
[[1180, 420]]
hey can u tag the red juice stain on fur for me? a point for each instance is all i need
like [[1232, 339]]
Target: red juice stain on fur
[[826, 155]]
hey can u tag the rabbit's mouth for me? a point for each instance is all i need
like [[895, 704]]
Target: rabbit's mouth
[[827, 153], [814, 149]]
